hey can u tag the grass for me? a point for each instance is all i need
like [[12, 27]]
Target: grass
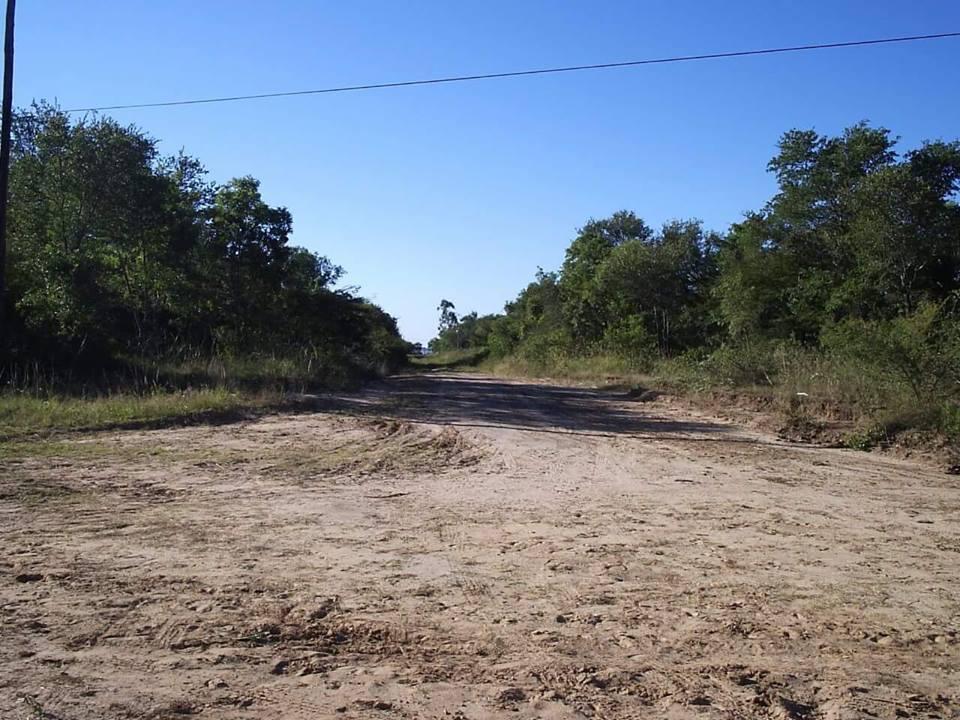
[[810, 395], [39, 403], [450, 359], [259, 374], [24, 416], [594, 369], [49, 449]]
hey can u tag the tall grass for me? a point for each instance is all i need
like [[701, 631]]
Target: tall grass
[[592, 368], [23, 416], [38, 400], [808, 388]]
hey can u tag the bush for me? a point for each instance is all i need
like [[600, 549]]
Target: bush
[[546, 348], [754, 362], [920, 351], [630, 339]]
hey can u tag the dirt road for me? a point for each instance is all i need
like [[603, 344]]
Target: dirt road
[[465, 547]]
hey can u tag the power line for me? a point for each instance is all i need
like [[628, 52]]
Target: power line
[[522, 73]]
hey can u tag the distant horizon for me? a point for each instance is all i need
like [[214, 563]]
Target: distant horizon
[[462, 192]]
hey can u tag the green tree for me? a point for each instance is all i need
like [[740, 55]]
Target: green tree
[[120, 255], [663, 280], [578, 282], [854, 231]]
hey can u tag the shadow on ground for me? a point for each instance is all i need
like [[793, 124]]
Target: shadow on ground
[[478, 401]]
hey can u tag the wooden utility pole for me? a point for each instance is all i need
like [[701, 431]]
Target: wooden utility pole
[[6, 120]]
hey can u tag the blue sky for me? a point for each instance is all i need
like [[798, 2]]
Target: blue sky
[[462, 191]]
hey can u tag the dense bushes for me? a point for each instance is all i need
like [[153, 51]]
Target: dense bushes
[[125, 262], [845, 285]]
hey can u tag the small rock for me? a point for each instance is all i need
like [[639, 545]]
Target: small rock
[[29, 577], [280, 667], [561, 618]]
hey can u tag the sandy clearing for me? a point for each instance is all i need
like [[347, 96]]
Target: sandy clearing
[[454, 546]]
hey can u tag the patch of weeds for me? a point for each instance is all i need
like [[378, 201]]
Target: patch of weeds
[[949, 422], [800, 422], [22, 416], [37, 712], [866, 438]]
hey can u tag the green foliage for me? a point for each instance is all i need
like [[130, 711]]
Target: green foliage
[[866, 438], [949, 421], [854, 232], [629, 338], [920, 350], [547, 346], [662, 280], [465, 333], [120, 257], [24, 415], [451, 359], [844, 287], [580, 289]]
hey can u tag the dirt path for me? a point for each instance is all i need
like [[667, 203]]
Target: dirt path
[[464, 547]]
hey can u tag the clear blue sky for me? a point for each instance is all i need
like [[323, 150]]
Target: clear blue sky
[[461, 191]]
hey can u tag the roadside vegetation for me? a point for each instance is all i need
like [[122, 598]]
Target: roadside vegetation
[[838, 300], [450, 359], [140, 289], [24, 416]]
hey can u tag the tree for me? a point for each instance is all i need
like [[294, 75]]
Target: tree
[[448, 336], [249, 240], [662, 280], [580, 293], [123, 256], [854, 231]]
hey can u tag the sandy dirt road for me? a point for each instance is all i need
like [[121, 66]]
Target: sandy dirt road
[[455, 546]]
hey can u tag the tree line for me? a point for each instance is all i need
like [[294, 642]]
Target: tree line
[[122, 256], [856, 257]]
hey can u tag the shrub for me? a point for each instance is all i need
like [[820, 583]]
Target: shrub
[[630, 339], [920, 351]]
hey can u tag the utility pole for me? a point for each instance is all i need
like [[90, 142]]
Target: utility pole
[[6, 120]]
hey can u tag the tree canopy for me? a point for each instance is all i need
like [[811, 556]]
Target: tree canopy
[[118, 253], [861, 241]]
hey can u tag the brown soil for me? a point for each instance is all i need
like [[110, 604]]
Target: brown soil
[[463, 547]]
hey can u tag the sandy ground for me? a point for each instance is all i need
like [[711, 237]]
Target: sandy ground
[[493, 550]]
